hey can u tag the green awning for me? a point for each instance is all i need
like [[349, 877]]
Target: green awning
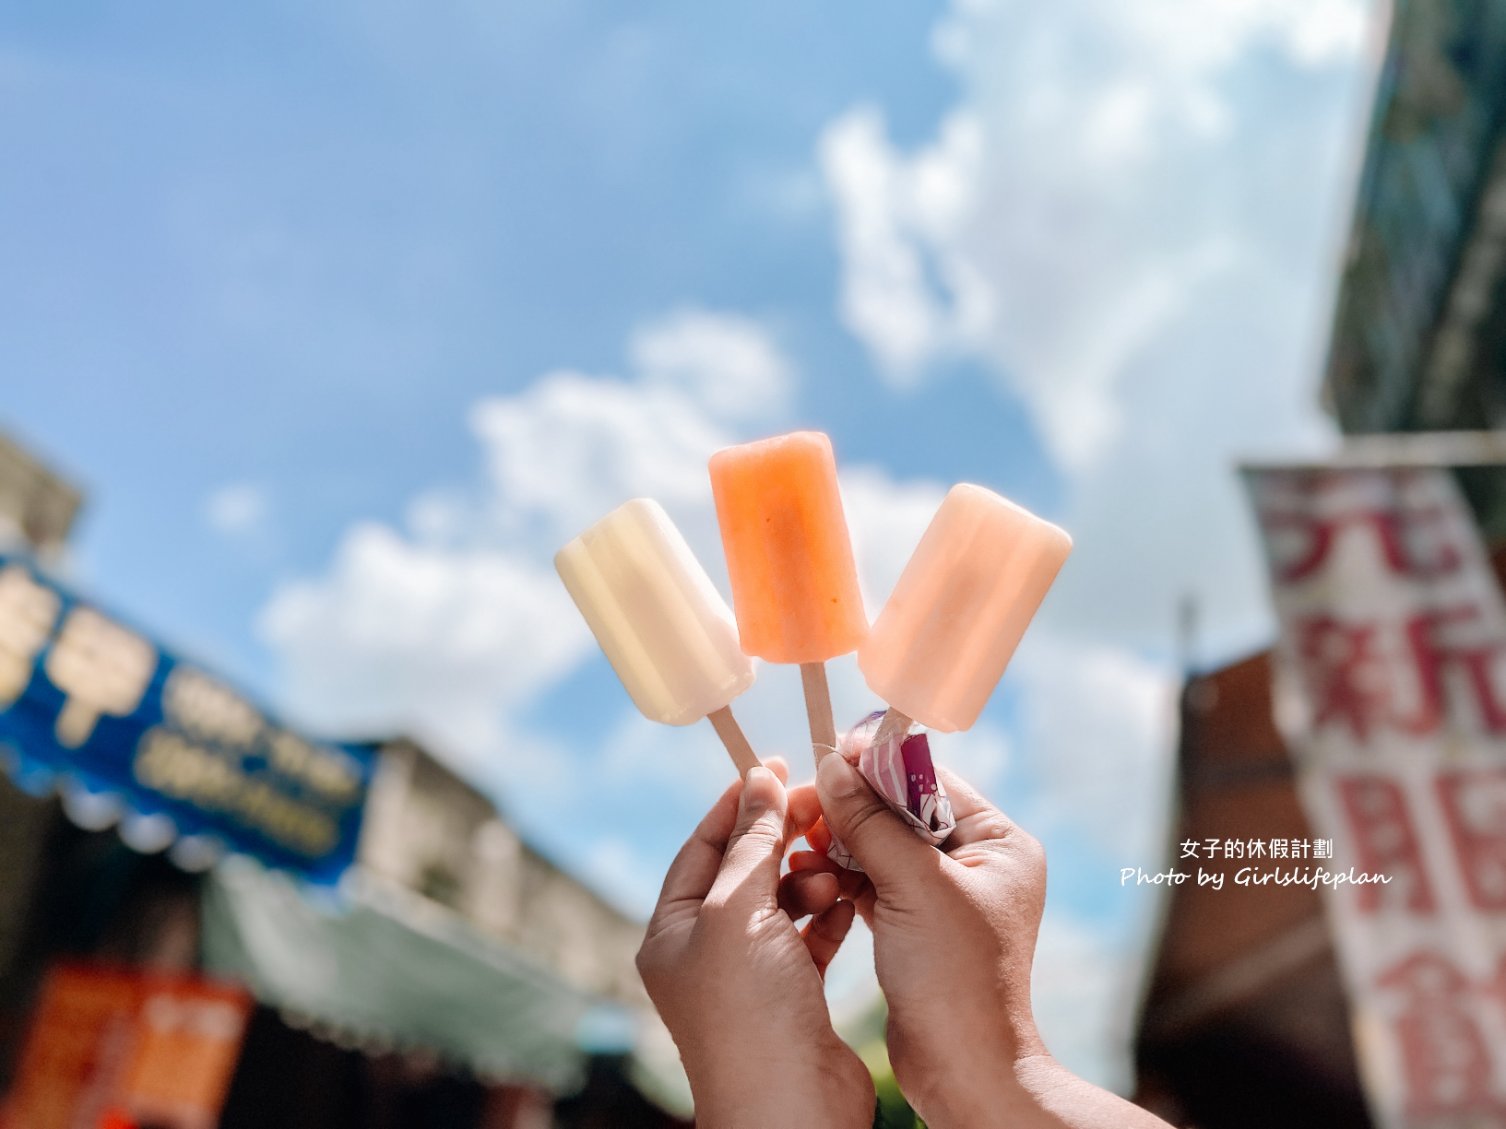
[[390, 969]]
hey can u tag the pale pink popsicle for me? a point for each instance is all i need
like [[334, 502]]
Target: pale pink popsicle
[[964, 600]]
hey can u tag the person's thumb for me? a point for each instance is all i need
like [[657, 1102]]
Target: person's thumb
[[755, 849], [882, 843]]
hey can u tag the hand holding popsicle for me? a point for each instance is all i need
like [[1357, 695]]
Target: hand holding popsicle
[[961, 1033], [736, 982], [738, 985]]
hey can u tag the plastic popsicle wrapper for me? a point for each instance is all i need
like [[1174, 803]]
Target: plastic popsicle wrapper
[[899, 769], [661, 622], [962, 604], [789, 556]]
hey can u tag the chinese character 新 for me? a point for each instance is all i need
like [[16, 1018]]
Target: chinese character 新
[[1354, 682]]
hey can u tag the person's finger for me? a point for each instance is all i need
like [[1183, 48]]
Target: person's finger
[[695, 866], [826, 932], [966, 800], [978, 821], [853, 884], [805, 809], [818, 835], [812, 860], [755, 849], [886, 848], [804, 893], [850, 883]]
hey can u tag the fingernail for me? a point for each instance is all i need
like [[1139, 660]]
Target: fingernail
[[756, 789], [838, 778]]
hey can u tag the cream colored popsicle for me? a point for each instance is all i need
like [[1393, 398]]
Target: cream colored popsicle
[[962, 604], [661, 622], [794, 581]]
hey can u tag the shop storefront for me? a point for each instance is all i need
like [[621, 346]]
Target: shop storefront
[[191, 938]]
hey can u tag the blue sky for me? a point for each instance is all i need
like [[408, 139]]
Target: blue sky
[[345, 318]]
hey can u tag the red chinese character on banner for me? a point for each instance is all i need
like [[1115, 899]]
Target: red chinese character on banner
[[1351, 677], [1445, 1056], [1385, 841], [1434, 649], [1495, 991], [1414, 542], [1474, 804], [1346, 673]]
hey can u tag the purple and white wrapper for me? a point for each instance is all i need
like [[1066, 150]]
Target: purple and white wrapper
[[901, 771]]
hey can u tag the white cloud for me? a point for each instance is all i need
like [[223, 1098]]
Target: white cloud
[[438, 643], [1136, 238], [725, 362], [570, 447], [886, 518], [906, 302], [979, 755], [452, 626], [616, 867], [1083, 999], [237, 509], [1098, 731], [1133, 229]]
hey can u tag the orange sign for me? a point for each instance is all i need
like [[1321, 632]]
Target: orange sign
[[119, 1047]]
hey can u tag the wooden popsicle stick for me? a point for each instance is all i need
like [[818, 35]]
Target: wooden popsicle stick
[[818, 709], [892, 724], [734, 739]]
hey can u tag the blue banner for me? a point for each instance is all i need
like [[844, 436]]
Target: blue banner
[[87, 698]]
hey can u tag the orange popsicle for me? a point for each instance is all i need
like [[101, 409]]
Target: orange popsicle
[[794, 582], [789, 557]]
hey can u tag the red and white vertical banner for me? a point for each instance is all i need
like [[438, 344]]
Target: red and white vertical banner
[[1391, 693]]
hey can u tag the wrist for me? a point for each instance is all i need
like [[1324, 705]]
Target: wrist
[[755, 1087], [1002, 1060], [1009, 1096]]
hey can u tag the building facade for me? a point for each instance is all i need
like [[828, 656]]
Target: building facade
[[37, 506]]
